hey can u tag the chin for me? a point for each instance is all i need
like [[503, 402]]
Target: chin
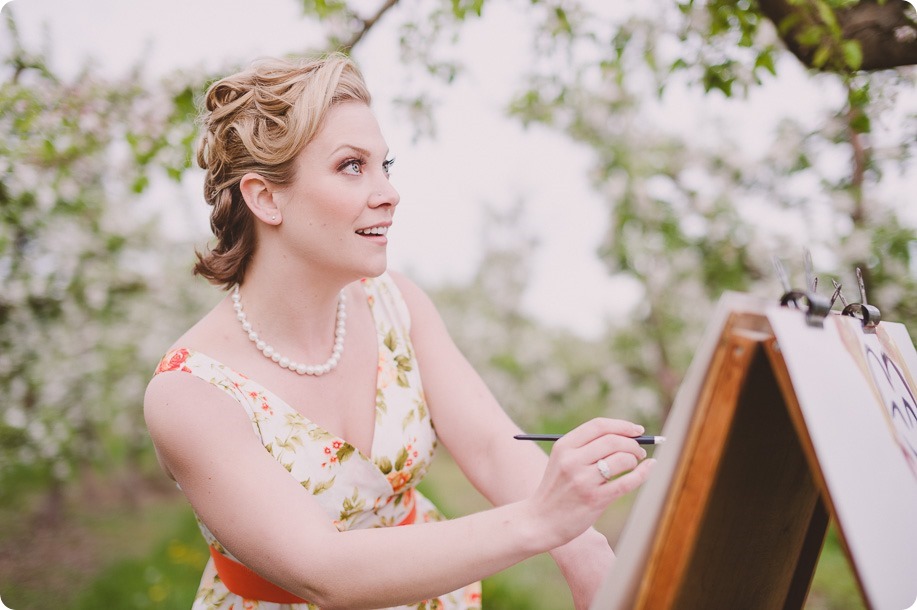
[[375, 268], [376, 271]]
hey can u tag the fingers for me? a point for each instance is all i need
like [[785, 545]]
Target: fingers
[[595, 428], [609, 445], [613, 465], [611, 439], [629, 481]]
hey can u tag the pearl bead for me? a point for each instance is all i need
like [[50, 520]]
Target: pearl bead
[[301, 369]]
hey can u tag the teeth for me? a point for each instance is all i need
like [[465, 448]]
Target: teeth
[[373, 231]]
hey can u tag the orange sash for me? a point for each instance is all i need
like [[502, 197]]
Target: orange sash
[[248, 585]]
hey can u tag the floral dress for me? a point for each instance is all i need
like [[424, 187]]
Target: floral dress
[[357, 491]]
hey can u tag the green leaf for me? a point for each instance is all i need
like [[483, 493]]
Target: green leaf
[[391, 342], [403, 363], [384, 464], [139, 185], [678, 64], [811, 35], [853, 54], [822, 55], [860, 123], [765, 60], [827, 15], [323, 486], [408, 419], [401, 459], [402, 380], [563, 23], [788, 23], [345, 452]]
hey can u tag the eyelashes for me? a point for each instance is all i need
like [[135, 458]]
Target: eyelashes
[[355, 165]]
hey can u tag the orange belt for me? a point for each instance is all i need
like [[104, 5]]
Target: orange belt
[[248, 585]]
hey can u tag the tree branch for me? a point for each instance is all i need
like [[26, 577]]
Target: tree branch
[[886, 32], [366, 26]]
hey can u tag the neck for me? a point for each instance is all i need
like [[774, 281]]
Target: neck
[[294, 312]]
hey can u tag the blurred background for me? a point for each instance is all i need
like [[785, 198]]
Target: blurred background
[[580, 183]]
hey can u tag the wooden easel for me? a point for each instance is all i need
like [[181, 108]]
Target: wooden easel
[[737, 510]]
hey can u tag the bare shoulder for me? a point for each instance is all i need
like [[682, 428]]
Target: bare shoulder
[[418, 302], [185, 413]]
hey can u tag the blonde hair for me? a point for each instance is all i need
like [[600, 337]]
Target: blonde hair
[[258, 121]]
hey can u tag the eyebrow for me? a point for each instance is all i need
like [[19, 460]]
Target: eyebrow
[[356, 149]]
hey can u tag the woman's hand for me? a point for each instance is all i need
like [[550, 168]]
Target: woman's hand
[[585, 563], [573, 491]]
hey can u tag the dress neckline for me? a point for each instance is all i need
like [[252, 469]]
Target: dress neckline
[[276, 399]]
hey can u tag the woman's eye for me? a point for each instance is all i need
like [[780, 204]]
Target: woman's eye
[[354, 166], [387, 166]]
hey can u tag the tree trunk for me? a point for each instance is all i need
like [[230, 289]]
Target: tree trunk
[[887, 32]]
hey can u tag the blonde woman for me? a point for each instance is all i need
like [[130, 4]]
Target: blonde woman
[[300, 413]]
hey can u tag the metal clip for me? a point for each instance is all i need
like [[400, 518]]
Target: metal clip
[[815, 307], [868, 315]]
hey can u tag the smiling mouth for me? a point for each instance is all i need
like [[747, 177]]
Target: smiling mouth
[[373, 231]]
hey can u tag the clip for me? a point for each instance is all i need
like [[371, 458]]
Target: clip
[[868, 315], [815, 307]]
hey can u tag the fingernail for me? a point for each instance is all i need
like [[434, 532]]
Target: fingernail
[[639, 429]]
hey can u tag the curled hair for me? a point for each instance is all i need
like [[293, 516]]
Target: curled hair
[[258, 121]]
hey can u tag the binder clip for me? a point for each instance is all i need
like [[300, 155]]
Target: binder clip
[[868, 315], [815, 306]]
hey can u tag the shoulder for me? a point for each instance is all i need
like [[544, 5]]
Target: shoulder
[[427, 326], [182, 411], [415, 298], [394, 296]]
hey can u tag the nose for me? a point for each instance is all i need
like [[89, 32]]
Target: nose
[[384, 194]]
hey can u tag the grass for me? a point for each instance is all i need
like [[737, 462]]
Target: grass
[[104, 552], [166, 578]]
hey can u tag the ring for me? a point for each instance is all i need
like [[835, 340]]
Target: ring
[[602, 465]]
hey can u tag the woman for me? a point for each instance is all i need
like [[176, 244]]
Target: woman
[[317, 344]]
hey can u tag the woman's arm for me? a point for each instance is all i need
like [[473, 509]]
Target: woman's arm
[[479, 435], [270, 523]]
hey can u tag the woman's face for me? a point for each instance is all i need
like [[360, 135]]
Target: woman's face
[[339, 207]]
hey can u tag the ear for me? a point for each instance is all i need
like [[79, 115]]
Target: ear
[[258, 194]]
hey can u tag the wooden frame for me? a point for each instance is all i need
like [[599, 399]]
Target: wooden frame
[[737, 510]]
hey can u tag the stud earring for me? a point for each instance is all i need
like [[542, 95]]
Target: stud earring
[[273, 218]]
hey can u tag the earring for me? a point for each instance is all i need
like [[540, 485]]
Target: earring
[[273, 218]]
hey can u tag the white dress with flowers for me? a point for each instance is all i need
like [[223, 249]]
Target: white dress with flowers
[[357, 491]]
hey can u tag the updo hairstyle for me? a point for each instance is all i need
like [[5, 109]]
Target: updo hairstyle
[[258, 121]]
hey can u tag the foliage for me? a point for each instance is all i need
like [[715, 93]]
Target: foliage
[[547, 379], [79, 262], [689, 216]]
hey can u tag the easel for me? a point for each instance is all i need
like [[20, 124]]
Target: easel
[[735, 514]]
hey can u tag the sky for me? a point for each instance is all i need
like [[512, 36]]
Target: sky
[[479, 158]]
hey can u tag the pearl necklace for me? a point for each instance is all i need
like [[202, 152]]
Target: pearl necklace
[[283, 361]]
